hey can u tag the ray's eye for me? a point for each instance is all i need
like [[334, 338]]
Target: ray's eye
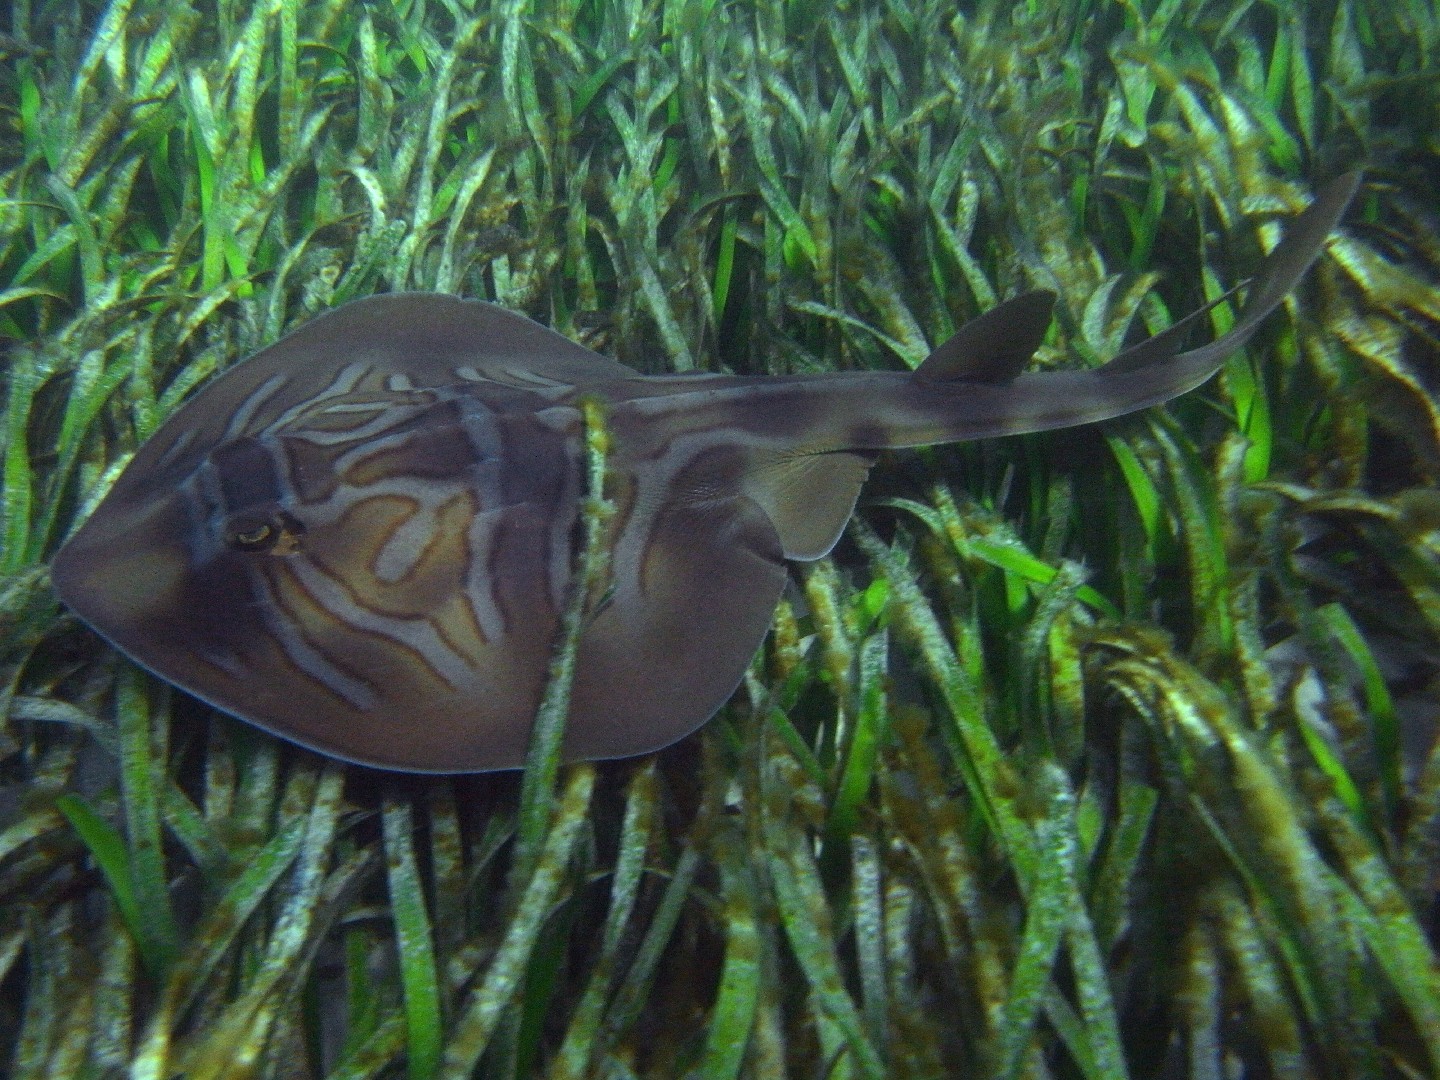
[[255, 538], [278, 533]]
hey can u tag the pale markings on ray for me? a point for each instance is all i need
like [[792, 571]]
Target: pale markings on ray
[[417, 532], [345, 381], [254, 403], [377, 569], [480, 586], [418, 636], [288, 629]]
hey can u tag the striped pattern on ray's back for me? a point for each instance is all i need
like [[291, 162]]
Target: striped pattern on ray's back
[[362, 538]]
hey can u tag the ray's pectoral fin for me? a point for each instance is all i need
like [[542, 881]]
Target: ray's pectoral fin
[[680, 629]]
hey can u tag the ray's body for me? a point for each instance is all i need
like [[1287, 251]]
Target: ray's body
[[362, 537]]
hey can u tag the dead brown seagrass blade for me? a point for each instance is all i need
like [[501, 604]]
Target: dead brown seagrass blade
[[362, 537]]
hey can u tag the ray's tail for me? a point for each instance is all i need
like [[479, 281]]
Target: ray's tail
[[978, 375]]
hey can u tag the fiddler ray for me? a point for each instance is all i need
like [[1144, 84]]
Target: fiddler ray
[[362, 538]]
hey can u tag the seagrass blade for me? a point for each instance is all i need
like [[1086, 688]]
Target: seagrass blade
[[361, 538]]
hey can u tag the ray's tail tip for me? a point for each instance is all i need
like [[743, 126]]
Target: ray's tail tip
[[1334, 197]]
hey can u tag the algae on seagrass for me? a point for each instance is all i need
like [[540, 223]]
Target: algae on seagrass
[[1088, 755]]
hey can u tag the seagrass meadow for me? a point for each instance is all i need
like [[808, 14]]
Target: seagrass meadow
[[1104, 753]]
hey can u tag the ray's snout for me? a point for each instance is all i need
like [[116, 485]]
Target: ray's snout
[[124, 569], [164, 595]]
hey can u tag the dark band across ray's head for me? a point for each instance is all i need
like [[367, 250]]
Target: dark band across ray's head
[[362, 537]]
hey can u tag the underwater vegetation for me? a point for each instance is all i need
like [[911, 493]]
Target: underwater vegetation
[[1092, 754]]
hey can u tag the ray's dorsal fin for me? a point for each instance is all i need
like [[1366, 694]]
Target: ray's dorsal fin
[[994, 348], [1163, 345]]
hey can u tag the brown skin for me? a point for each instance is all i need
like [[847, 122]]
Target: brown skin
[[361, 538]]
